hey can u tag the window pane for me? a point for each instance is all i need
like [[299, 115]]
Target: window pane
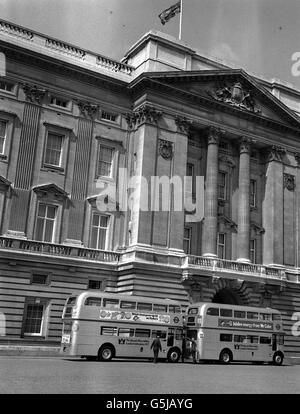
[[264, 340], [103, 221], [128, 305], [111, 303], [160, 308], [144, 333], [144, 306], [93, 302], [39, 229], [101, 239], [48, 235], [161, 334], [39, 279], [226, 337], [94, 284], [96, 218], [126, 332], [94, 237], [42, 210], [193, 311], [53, 149], [226, 312], [174, 309], [212, 311], [51, 212], [252, 315], [239, 314], [105, 158], [108, 330], [34, 318]]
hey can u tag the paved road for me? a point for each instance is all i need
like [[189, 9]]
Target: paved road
[[74, 376]]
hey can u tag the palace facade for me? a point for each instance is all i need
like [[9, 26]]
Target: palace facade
[[73, 122]]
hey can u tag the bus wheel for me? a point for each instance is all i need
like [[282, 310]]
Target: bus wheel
[[277, 358], [106, 353], [173, 355], [225, 356]]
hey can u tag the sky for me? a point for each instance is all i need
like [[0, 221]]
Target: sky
[[258, 35]]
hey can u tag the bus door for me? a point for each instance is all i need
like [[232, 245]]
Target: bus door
[[277, 341], [171, 337], [274, 342]]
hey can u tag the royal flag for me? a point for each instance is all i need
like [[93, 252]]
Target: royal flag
[[167, 14]]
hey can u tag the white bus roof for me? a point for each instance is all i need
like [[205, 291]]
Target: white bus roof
[[226, 306]]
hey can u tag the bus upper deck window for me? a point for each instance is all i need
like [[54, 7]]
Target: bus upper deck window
[[111, 303], [92, 302], [239, 314], [276, 317], [128, 305], [212, 311], [193, 311], [226, 312], [265, 316], [174, 309], [252, 315], [72, 300], [159, 308], [144, 306]]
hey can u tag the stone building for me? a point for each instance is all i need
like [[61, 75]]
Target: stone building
[[73, 121]]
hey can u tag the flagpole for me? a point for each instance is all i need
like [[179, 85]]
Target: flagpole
[[180, 20]]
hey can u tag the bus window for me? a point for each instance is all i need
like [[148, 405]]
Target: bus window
[[110, 303], [193, 311], [281, 339], [239, 314], [264, 340], [226, 312], [212, 311], [109, 330], [128, 305], [126, 332], [240, 338], [174, 309], [276, 317], [72, 300], [191, 333], [144, 306], [252, 339], [265, 316], [161, 334], [225, 337], [159, 308], [252, 315], [178, 334], [144, 333], [92, 302]]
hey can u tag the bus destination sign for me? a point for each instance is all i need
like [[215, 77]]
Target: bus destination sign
[[230, 323]]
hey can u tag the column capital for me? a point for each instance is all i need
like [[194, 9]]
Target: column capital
[[275, 153], [245, 144], [145, 113], [214, 135]]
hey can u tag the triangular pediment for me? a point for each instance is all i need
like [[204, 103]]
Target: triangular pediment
[[228, 89], [51, 188]]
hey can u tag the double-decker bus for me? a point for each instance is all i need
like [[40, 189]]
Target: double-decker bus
[[107, 325], [235, 333]]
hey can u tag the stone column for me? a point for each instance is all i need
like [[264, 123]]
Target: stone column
[[272, 219], [210, 228], [243, 248]]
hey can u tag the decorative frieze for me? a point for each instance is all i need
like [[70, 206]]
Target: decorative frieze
[[33, 93], [165, 149], [235, 95], [289, 182]]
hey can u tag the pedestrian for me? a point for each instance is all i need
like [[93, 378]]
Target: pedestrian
[[194, 350], [156, 346]]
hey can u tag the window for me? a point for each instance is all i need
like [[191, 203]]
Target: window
[[252, 315], [45, 223], [143, 333], [187, 240], [53, 152], [212, 311], [94, 284], [193, 311], [99, 231], [92, 301], [240, 338], [2, 135], [239, 314], [226, 312], [56, 101], [161, 334], [105, 161], [111, 303], [276, 317], [253, 193], [38, 279], [126, 332], [178, 334], [71, 300], [226, 337], [159, 308], [264, 340], [34, 317], [221, 245], [6, 86], [253, 251], [128, 305], [108, 116], [174, 309], [265, 316], [144, 306], [222, 178], [252, 339], [109, 330]]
